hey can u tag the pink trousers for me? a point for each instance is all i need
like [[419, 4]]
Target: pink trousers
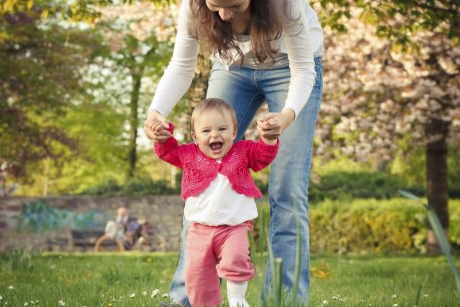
[[215, 252]]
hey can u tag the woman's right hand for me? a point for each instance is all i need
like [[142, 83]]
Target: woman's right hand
[[156, 127], [271, 125]]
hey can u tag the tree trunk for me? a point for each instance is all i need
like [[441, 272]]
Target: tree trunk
[[136, 74], [436, 174]]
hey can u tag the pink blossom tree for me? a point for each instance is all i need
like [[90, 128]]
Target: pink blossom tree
[[378, 94]]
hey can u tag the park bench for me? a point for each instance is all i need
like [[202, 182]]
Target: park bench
[[84, 239]]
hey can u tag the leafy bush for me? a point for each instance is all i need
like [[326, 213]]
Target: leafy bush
[[374, 226], [134, 187], [340, 185], [355, 185], [367, 226]]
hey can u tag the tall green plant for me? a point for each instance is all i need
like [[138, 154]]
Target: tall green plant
[[439, 232], [276, 266]]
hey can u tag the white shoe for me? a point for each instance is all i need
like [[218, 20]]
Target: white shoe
[[234, 302]]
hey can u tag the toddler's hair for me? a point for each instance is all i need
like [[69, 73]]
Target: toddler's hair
[[217, 104]]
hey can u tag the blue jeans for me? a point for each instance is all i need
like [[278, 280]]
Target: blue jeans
[[247, 89]]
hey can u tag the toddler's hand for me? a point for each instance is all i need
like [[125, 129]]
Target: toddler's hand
[[265, 126], [161, 131], [271, 125], [156, 127]]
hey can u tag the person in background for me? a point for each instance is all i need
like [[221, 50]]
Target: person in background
[[118, 229]]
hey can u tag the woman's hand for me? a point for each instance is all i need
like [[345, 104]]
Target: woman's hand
[[271, 125], [156, 127]]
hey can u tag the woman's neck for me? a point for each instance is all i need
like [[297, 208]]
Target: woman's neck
[[241, 24]]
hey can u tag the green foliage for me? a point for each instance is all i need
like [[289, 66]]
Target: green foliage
[[396, 20], [97, 126], [134, 60], [19, 259], [77, 10], [97, 129], [366, 226], [411, 168], [40, 76], [438, 229], [69, 125], [340, 185], [134, 187], [396, 226], [336, 185]]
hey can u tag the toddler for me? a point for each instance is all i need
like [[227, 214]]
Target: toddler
[[219, 197]]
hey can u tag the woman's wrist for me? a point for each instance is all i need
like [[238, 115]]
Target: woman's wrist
[[288, 116], [153, 112]]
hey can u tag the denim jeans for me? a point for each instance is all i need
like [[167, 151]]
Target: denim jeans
[[247, 89]]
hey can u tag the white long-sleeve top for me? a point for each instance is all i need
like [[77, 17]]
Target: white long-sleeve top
[[219, 204], [301, 39]]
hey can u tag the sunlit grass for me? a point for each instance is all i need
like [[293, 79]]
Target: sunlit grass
[[136, 279], [88, 280], [385, 281]]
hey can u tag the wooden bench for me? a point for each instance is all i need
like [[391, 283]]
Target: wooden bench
[[83, 239]]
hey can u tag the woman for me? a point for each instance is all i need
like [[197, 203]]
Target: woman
[[262, 50]]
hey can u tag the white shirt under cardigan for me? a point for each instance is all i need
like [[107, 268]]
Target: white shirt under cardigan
[[301, 40], [219, 204]]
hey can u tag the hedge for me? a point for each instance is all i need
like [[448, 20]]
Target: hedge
[[134, 187], [351, 185], [370, 226]]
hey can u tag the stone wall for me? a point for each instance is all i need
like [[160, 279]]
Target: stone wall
[[164, 213]]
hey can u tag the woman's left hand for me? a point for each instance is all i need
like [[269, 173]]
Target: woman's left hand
[[271, 125]]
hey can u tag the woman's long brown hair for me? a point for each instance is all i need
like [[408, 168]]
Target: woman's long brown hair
[[265, 25]]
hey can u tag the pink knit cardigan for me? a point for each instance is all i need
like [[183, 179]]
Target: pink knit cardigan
[[199, 170]]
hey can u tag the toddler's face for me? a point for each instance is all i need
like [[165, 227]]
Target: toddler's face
[[214, 133]]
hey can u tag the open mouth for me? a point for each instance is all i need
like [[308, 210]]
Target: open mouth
[[216, 145]]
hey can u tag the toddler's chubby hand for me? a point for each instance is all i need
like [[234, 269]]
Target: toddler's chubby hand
[[267, 126], [266, 122], [157, 128], [161, 131], [271, 125]]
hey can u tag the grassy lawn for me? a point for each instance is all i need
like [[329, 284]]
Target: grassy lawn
[[130, 279]]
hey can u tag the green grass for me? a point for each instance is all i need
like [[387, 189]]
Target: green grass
[[385, 281], [128, 279]]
